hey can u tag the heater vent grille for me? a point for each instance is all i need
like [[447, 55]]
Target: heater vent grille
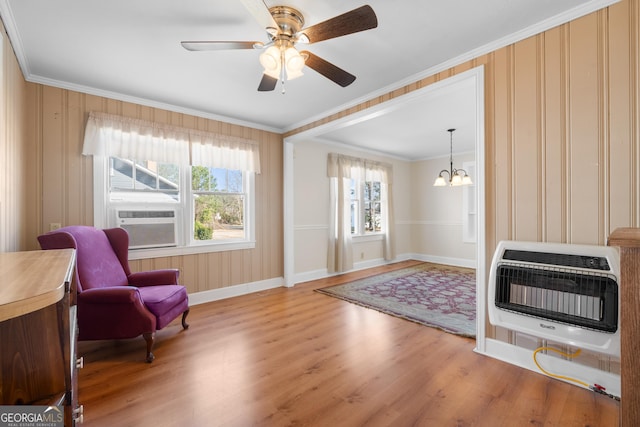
[[565, 260], [586, 300]]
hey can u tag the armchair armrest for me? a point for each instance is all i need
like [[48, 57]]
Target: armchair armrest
[[111, 295], [154, 277]]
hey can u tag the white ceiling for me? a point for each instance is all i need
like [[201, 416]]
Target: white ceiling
[[130, 50], [415, 128]]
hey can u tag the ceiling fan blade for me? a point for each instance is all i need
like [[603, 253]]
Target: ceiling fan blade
[[267, 83], [360, 19], [327, 69], [218, 45], [261, 13]]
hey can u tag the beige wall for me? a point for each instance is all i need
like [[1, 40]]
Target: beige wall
[[436, 212], [428, 220], [311, 208]]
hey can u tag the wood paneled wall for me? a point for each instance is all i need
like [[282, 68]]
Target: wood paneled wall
[[14, 156], [63, 183], [561, 130], [564, 131]]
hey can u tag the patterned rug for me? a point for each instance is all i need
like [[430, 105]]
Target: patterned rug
[[430, 294]]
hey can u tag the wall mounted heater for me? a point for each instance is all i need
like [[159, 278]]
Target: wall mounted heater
[[561, 292]]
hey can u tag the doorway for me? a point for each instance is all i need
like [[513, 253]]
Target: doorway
[[359, 131]]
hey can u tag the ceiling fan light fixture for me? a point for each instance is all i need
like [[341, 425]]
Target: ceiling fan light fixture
[[294, 74], [293, 59], [273, 73], [294, 63], [270, 59]]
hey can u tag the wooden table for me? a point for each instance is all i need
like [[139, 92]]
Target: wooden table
[[33, 280], [38, 330]]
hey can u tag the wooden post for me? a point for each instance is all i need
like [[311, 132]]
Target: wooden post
[[628, 239]]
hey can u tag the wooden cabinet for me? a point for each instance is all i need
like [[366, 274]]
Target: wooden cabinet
[[38, 330]]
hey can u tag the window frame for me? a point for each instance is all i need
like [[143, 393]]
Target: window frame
[[192, 193], [361, 202], [104, 214]]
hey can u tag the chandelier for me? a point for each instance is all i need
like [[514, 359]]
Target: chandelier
[[456, 176]]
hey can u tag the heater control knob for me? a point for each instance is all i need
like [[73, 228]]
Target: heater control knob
[[596, 263]]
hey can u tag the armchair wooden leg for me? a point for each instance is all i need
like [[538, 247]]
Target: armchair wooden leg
[[185, 325], [149, 337]]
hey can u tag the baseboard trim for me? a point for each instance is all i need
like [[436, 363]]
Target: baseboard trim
[[323, 273], [234, 291], [457, 262]]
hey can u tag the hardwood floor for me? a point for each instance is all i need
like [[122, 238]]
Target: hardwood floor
[[294, 357]]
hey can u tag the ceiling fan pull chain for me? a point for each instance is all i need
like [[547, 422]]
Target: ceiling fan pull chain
[[282, 69]]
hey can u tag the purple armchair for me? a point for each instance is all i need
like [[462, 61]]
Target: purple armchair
[[114, 303]]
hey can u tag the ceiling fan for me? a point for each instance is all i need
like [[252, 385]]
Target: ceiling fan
[[284, 27]]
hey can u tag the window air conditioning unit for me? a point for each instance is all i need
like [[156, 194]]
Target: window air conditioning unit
[[148, 228]]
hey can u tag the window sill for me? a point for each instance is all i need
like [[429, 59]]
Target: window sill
[[189, 250], [363, 238]]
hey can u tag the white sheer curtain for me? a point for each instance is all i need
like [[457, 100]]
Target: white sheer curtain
[[340, 253], [341, 169], [112, 135]]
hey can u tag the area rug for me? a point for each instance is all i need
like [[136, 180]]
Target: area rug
[[430, 294]]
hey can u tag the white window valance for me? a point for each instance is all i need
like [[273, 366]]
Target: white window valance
[[112, 135], [341, 166]]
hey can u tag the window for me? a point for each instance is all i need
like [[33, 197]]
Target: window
[[196, 195], [131, 180], [372, 207], [210, 210], [360, 206], [366, 207], [218, 203]]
